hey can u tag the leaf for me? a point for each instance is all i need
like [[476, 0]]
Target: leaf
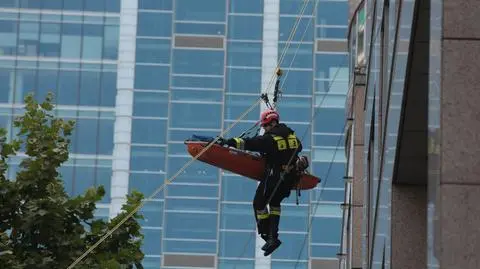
[[47, 228]]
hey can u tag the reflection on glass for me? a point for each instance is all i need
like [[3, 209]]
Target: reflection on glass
[[154, 24], [297, 56], [244, 246], [152, 241], [245, 27], [153, 50], [189, 61], [196, 247], [8, 37], [205, 10], [179, 225], [244, 53], [147, 159]]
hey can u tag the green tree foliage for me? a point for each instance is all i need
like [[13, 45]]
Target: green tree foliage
[[40, 225]]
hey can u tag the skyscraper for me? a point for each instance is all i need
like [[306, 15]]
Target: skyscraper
[[141, 76]]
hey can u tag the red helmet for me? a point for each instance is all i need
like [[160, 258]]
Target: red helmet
[[267, 117]]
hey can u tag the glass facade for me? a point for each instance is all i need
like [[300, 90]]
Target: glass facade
[[196, 67]]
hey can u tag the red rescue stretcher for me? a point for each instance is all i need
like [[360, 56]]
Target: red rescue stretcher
[[245, 163]]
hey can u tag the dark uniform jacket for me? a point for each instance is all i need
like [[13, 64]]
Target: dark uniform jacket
[[279, 145]]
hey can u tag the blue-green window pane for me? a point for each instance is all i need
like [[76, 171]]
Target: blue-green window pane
[[151, 262], [9, 3], [89, 88], [245, 27], [153, 50], [149, 131], [154, 24], [329, 120], [146, 183], [332, 12], [94, 5], [191, 115], [298, 82], [108, 89], [49, 40], [333, 195], [242, 6], [195, 247], [68, 87], [8, 37], [294, 7], [71, 40], [236, 105], [329, 140], [334, 171], [197, 82], [84, 179], [336, 84], [244, 246], [147, 159], [110, 42], [197, 172], [237, 216], [205, 10], [326, 65], [244, 53], [25, 83], [104, 177], [331, 32], [288, 265], [294, 218], [198, 62], [112, 6], [73, 5], [152, 242], [332, 225], [325, 154], [150, 104], [155, 4], [231, 185], [35, 4], [151, 77], [52, 4], [192, 204], [175, 190], [286, 27], [179, 225], [324, 251], [244, 80], [298, 55], [330, 100], [87, 136], [197, 28], [6, 88], [47, 81], [152, 212], [197, 95], [296, 109], [105, 133], [28, 38], [92, 41], [291, 247], [238, 264]]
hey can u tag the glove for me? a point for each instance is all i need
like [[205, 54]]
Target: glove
[[302, 163], [231, 142]]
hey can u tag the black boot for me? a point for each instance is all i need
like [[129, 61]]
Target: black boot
[[263, 226], [273, 242]]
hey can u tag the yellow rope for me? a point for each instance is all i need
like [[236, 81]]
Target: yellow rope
[[168, 181]]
